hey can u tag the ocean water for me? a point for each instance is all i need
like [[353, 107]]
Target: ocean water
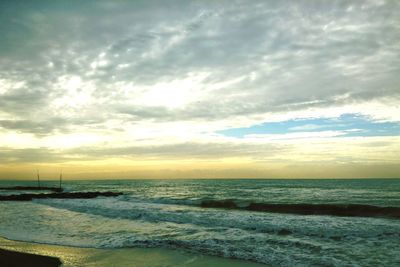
[[168, 214]]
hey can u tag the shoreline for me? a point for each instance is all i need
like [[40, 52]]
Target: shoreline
[[143, 257]]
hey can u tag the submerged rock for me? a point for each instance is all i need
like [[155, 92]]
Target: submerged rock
[[284, 232]]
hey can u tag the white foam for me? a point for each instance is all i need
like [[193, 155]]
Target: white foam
[[276, 239]]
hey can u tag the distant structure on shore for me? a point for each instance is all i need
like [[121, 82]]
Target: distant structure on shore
[[60, 179], [55, 188], [38, 178]]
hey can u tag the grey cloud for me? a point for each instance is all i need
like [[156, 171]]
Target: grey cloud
[[44, 127], [302, 54], [50, 124], [23, 101], [189, 150], [29, 155]]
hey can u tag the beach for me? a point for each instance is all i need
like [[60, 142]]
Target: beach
[[135, 257], [210, 223], [200, 133]]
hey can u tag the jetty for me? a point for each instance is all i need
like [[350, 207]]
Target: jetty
[[65, 195], [57, 192], [36, 188]]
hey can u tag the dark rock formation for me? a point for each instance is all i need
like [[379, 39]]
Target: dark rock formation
[[310, 209], [15, 259], [69, 195], [226, 204]]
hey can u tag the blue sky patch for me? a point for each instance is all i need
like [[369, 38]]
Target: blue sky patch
[[351, 124]]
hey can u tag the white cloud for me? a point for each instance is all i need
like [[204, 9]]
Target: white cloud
[[306, 127], [154, 73], [296, 136]]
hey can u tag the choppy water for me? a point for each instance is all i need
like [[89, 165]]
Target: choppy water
[[167, 213]]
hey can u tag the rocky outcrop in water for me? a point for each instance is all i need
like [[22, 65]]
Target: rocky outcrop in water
[[355, 210], [69, 195]]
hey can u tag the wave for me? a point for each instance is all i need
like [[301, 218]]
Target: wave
[[270, 238], [332, 209], [352, 210], [277, 224]]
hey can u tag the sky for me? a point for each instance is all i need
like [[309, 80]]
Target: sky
[[199, 89]]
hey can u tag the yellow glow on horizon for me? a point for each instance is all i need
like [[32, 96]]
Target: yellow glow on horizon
[[318, 160]]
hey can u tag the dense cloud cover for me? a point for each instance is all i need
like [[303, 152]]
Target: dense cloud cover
[[164, 76]]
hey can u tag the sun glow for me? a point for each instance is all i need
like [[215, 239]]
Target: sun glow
[[173, 94]]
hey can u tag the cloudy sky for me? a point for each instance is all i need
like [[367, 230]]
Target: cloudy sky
[[200, 89]]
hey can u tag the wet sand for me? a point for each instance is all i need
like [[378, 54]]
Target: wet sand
[[138, 257]]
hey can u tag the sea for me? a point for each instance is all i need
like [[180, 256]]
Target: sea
[[169, 214]]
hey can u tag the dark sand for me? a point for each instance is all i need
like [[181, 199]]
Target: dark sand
[[16, 259]]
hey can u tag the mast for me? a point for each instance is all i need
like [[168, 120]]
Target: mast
[[60, 179], [38, 178]]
